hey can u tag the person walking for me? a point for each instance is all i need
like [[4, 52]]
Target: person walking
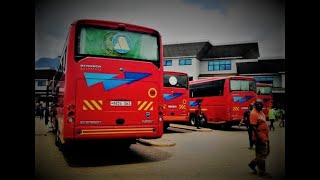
[[272, 117], [198, 115], [246, 120], [282, 118], [41, 112], [260, 136]]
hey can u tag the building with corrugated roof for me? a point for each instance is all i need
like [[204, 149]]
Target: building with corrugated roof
[[203, 59]]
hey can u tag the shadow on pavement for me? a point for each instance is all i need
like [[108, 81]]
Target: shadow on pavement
[[232, 129], [171, 130], [95, 154]]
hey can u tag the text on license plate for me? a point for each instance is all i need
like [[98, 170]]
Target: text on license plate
[[120, 103]]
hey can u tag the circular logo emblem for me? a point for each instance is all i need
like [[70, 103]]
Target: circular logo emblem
[[184, 101], [152, 92], [121, 43]]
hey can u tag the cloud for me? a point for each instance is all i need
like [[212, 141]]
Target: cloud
[[219, 5], [176, 20], [49, 46]]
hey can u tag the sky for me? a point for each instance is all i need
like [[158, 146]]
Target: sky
[[178, 21]]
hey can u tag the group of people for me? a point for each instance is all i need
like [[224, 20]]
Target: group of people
[[258, 131], [276, 114], [40, 109]]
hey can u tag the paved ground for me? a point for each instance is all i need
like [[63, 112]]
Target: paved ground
[[212, 154]]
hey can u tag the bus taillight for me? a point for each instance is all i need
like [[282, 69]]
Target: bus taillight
[[71, 113], [160, 113], [71, 107]]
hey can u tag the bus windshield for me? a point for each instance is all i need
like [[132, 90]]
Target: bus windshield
[[264, 90], [179, 81], [242, 85], [104, 42]]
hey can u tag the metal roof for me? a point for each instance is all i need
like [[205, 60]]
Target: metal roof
[[262, 66], [243, 51], [40, 73], [184, 49], [201, 50]]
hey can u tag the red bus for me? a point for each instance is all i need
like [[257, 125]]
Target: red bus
[[264, 92], [223, 99], [109, 83], [176, 97]]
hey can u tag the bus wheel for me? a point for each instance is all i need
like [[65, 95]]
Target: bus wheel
[[193, 120], [54, 124], [62, 147], [226, 126], [55, 131], [124, 146], [203, 121]]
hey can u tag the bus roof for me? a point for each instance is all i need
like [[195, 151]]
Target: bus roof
[[263, 85], [174, 72], [219, 78], [116, 24]]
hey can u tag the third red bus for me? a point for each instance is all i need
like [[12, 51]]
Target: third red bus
[[264, 92], [223, 99]]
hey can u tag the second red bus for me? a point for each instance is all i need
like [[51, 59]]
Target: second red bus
[[176, 97]]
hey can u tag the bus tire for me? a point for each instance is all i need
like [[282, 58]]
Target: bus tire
[[62, 147], [55, 131], [203, 121], [54, 124], [226, 126], [56, 141], [192, 120]]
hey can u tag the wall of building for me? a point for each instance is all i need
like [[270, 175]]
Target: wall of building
[[192, 70], [283, 77], [277, 82]]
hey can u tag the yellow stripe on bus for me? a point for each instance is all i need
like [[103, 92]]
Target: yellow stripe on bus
[[96, 105], [142, 105], [150, 103], [88, 104]]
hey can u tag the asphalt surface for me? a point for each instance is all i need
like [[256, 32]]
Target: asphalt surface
[[167, 142], [183, 153]]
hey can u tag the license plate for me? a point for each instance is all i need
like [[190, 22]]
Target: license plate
[[120, 103]]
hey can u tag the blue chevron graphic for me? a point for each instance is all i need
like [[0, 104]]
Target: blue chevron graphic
[[241, 99], [169, 97], [109, 81], [195, 103], [264, 100]]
